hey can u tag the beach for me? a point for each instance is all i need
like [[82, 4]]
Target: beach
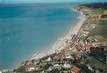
[[76, 49], [60, 43], [32, 29]]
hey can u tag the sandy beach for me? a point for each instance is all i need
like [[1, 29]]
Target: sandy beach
[[75, 50], [60, 43]]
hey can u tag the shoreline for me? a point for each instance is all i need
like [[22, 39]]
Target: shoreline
[[57, 46], [75, 48]]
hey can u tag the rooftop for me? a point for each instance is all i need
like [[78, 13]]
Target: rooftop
[[75, 69]]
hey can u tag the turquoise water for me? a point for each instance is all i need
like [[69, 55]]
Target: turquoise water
[[25, 29]]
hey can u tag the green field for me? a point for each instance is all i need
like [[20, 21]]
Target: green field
[[96, 63], [100, 32]]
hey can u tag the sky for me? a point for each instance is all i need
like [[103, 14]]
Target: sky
[[38, 1]]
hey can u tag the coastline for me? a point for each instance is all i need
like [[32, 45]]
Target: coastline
[[57, 45], [60, 42], [74, 50]]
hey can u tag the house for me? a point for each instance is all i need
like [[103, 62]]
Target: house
[[56, 65], [66, 65], [49, 59], [75, 69], [69, 57], [28, 62], [30, 69]]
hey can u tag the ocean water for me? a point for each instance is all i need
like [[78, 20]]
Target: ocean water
[[25, 29]]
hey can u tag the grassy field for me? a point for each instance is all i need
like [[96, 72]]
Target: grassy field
[[100, 32], [97, 64]]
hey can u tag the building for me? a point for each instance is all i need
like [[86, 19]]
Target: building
[[31, 69], [75, 69]]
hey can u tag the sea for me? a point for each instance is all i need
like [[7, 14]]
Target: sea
[[28, 28]]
